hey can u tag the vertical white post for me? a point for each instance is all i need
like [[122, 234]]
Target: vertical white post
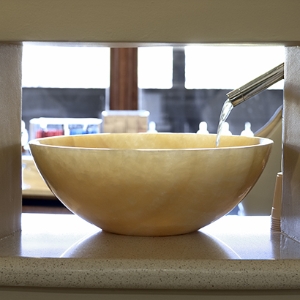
[[10, 138], [291, 145]]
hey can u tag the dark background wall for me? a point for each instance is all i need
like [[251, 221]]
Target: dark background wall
[[61, 103], [180, 110], [174, 110]]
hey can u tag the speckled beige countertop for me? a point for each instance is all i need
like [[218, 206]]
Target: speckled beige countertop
[[232, 253]]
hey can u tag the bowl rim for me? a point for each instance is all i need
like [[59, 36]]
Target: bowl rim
[[263, 141]]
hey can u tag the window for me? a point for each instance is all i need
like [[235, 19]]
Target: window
[[155, 67], [65, 67], [179, 86], [229, 67]]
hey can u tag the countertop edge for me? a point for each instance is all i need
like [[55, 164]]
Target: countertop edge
[[148, 274]]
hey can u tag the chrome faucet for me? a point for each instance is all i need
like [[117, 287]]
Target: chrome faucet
[[256, 86]]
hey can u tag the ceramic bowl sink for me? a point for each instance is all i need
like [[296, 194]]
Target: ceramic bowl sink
[[150, 184]]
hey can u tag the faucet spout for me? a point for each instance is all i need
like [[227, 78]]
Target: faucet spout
[[256, 86]]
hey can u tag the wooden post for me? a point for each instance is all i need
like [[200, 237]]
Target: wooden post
[[123, 79]]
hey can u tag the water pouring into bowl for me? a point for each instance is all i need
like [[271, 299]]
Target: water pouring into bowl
[[247, 91]]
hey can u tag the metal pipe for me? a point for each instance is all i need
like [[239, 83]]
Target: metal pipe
[[256, 86]]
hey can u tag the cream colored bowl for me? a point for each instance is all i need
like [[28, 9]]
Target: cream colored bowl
[[150, 184]]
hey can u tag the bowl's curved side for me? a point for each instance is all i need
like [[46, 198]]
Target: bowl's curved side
[[150, 193]]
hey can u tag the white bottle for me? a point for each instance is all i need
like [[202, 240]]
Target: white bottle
[[152, 127], [225, 129], [247, 131], [24, 137], [24, 134], [203, 128]]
